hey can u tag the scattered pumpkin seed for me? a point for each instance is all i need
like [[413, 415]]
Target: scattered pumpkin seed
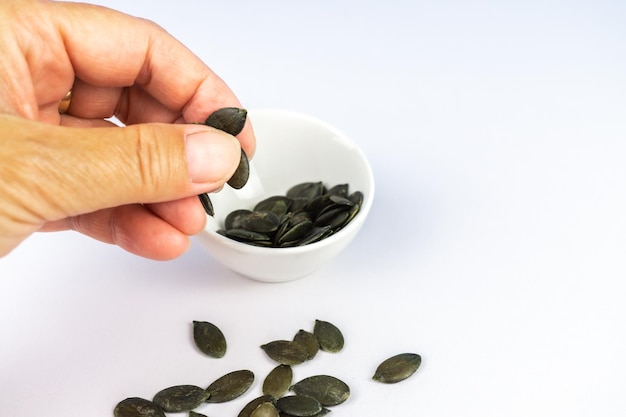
[[299, 405], [247, 410], [309, 341], [397, 368], [326, 389], [230, 386], [137, 407], [329, 336], [180, 398], [209, 339], [278, 381], [285, 352], [265, 409]]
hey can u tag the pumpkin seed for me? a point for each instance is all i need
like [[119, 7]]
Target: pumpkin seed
[[261, 222], [278, 204], [230, 386], [285, 352], [309, 341], [326, 389], [278, 381], [209, 339], [206, 204], [247, 410], [241, 174], [137, 407], [230, 120], [265, 409], [329, 336], [180, 398], [234, 220], [397, 368], [299, 405]]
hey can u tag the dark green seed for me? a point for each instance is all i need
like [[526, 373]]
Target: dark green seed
[[278, 381], [326, 389], [397, 368], [234, 220], [228, 119], [209, 339], [265, 409], [299, 405], [230, 386], [295, 232], [339, 190], [242, 173], [137, 407], [206, 204], [315, 234], [246, 235], [278, 204], [180, 398], [247, 410], [261, 222], [329, 336], [309, 341], [306, 190], [285, 352]]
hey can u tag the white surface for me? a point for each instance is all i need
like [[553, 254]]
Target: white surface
[[495, 247], [292, 148]]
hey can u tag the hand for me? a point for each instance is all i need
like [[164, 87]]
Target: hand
[[134, 186]]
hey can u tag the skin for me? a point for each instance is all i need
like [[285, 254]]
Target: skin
[[133, 186]]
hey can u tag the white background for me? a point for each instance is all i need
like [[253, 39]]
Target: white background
[[495, 247]]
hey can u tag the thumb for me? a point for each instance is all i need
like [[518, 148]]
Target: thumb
[[57, 172]]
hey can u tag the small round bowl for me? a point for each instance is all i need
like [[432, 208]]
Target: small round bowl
[[291, 148]]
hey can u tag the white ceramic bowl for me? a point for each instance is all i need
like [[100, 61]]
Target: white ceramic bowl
[[291, 148]]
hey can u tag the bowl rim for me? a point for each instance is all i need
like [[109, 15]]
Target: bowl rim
[[348, 230]]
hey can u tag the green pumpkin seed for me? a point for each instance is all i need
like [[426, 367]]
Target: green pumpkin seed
[[329, 336], [230, 386], [278, 204], [241, 174], [299, 405], [137, 407], [326, 389], [180, 398], [278, 381], [247, 410], [261, 222], [309, 341], [209, 339], [234, 220], [285, 352], [265, 409], [206, 204], [397, 368], [228, 119]]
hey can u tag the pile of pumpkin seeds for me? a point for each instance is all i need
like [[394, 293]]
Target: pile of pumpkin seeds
[[309, 212], [311, 396]]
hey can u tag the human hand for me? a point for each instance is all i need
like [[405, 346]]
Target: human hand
[[134, 186]]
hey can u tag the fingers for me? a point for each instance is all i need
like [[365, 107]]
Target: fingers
[[167, 79]]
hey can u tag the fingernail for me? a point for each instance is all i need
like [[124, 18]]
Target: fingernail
[[212, 156]]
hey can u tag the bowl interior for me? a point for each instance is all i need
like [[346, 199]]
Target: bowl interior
[[294, 148]]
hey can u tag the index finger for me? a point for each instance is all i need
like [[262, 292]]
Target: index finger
[[108, 49]]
